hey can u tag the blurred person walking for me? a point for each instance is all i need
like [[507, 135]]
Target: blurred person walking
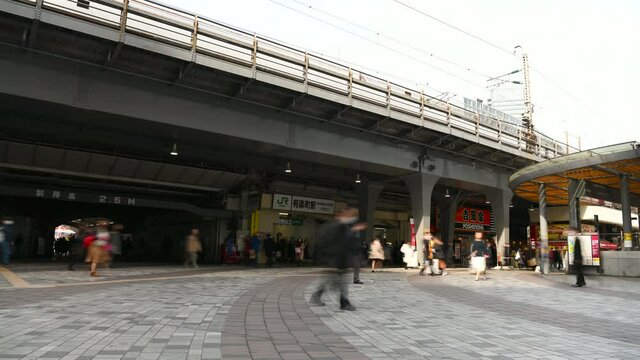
[[337, 245], [6, 234], [478, 256], [357, 258], [269, 249], [98, 247], [75, 249], [438, 253], [408, 255], [254, 251], [428, 255], [577, 263], [376, 253], [192, 248]]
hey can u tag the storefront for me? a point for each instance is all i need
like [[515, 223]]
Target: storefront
[[291, 219], [468, 221]]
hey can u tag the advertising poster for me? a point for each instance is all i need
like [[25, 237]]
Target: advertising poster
[[590, 246], [595, 249]]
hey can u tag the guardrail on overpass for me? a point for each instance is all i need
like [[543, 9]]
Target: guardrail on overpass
[[193, 38]]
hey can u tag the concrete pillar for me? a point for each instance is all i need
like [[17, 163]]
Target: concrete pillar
[[500, 200], [626, 212], [245, 222], [544, 230], [576, 190], [448, 207], [421, 187], [368, 194]]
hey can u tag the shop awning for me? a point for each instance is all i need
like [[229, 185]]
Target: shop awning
[[602, 166]]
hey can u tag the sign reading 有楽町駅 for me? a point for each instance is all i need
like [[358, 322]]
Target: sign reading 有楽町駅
[[302, 204], [311, 205]]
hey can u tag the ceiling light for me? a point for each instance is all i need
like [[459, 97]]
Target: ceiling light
[[283, 214], [510, 204], [487, 202], [288, 169], [358, 181], [531, 208], [174, 150], [446, 193]]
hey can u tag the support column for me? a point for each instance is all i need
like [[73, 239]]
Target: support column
[[368, 194], [626, 212], [544, 231], [500, 200], [421, 187], [448, 207], [576, 190]]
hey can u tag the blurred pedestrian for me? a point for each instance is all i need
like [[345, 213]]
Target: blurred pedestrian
[[427, 250], [357, 258], [577, 262], [478, 256], [192, 248], [254, 251], [299, 252], [408, 255], [98, 246], [521, 260], [269, 245], [376, 253], [438, 253], [6, 234], [337, 245], [75, 249]]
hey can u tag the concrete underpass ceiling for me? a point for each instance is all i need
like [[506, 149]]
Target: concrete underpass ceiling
[[138, 141], [69, 139], [95, 50], [135, 141], [23, 157]]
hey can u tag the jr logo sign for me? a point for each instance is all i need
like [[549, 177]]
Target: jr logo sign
[[281, 202]]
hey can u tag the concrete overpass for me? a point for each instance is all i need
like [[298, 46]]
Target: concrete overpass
[[134, 78]]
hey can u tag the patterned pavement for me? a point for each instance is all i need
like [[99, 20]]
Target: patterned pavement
[[166, 312]]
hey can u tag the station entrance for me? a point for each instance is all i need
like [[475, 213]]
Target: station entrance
[[152, 205], [147, 234]]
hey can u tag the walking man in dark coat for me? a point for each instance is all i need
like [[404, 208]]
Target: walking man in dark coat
[[577, 264], [337, 245]]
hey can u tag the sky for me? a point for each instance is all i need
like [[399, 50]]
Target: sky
[[583, 54]]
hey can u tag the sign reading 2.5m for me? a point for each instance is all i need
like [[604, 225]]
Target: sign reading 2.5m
[[117, 200]]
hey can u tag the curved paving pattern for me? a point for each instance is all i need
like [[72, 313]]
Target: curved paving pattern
[[273, 321], [511, 316], [263, 314]]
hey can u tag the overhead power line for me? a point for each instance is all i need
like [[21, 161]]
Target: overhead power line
[[392, 39], [455, 27], [404, 54], [506, 51]]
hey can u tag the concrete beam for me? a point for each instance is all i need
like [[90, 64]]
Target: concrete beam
[[58, 81]]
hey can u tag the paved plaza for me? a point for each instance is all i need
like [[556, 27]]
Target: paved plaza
[[169, 312]]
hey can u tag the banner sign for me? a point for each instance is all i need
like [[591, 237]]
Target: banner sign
[[472, 219], [412, 224]]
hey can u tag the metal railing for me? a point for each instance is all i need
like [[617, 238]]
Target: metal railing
[[208, 38]]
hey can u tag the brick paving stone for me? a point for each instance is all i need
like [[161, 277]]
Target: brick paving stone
[[238, 313]]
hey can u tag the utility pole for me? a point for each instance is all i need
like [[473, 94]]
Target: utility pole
[[527, 117]]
